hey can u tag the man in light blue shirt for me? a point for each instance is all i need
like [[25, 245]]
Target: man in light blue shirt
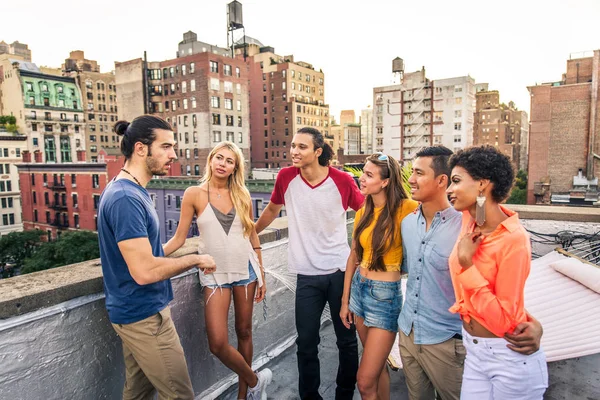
[[430, 336]]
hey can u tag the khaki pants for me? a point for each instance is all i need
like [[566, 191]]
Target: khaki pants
[[433, 366], [154, 359]]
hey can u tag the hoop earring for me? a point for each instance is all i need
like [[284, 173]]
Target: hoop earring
[[480, 210]]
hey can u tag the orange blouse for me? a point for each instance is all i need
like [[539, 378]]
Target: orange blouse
[[492, 290]]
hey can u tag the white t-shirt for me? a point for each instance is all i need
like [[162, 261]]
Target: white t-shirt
[[318, 239]]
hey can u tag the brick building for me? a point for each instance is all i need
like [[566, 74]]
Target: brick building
[[501, 126], [11, 146], [203, 94], [285, 95], [564, 136], [60, 197]]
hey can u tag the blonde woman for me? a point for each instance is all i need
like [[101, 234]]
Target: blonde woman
[[223, 210]]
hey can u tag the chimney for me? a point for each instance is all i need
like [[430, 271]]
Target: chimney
[[26, 156], [81, 155], [37, 156]]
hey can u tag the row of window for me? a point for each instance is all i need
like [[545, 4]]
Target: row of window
[[230, 136], [4, 152], [7, 202], [46, 102], [44, 88], [287, 132], [8, 219], [273, 154], [6, 186], [59, 180], [59, 219], [100, 86], [229, 119]]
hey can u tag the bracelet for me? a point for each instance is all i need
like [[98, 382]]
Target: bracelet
[[257, 248]]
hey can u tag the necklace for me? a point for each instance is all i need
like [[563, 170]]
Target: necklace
[[130, 174], [218, 194]]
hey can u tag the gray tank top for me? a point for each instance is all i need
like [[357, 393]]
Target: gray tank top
[[226, 220]]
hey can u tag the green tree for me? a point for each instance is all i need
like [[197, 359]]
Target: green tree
[[405, 171], [15, 248], [11, 120], [71, 248], [3, 119], [519, 192]]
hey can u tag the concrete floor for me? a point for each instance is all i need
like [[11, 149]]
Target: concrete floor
[[285, 373]]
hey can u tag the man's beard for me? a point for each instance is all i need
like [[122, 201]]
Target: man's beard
[[154, 167]]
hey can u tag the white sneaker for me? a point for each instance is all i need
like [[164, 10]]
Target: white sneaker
[[258, 392]]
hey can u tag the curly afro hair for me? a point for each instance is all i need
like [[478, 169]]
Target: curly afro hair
[[486, 162]]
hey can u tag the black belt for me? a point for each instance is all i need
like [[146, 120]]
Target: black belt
[[457, 336]]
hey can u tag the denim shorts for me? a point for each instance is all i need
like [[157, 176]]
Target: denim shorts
[[244, 282], [378, 303]]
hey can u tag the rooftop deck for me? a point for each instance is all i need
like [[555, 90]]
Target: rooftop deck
[[56, 341]]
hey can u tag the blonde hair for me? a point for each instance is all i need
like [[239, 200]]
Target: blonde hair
[[240, 196]]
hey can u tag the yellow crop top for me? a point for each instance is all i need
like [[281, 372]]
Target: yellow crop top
[[393, 258]]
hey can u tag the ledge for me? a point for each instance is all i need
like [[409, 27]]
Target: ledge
[[26, 293], [557, 213]]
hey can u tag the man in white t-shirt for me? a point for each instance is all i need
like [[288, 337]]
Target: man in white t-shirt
[[316, 198]]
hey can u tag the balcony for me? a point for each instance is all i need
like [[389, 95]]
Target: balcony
[[58, 343], [57, 186], [59, 223], [58, 206]]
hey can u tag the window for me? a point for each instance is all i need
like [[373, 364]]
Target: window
[[214, 66], [184, 87], [229, 120], [183, 69], [96, 201], [216, 119], [458, 100], [193, 85], [228, 104], [239, 124], [95, 181], [215, 84], [283, 85], [75, 200], [228, 87], [215, 102], [458, 114], [458, 88], [49, 148], [238, 88], [185, 104], [227, 69], [457, 126], [192, 68], [240, 137], [230, 136], [216, 136], [237, 72], [65, 149]]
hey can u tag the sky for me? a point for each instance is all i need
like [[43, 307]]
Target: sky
[[508, 44]]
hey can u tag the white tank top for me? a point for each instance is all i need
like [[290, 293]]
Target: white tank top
[[231, 252]]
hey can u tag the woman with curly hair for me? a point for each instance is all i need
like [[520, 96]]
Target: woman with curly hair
[[489, 266], [372, 295]]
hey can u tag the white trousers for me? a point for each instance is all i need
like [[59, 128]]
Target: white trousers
[[495, 372]]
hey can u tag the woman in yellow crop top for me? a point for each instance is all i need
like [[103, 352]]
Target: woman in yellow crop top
[[372, 294]]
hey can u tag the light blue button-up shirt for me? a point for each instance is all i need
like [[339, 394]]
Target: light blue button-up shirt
[[429, 292]]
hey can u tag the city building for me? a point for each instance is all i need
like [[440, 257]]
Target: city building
[[502, 126], [48, 109], [353, 140], [16, 49], [366, 133], [61, 197], [11, 148], [99, 91], [203, 95], [285, 95], [167, 195], [337, 132], [419, 112], [564, 135]]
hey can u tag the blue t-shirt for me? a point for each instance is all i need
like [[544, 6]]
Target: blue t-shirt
[[126, 212]]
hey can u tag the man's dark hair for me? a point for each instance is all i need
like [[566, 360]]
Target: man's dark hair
[[319, 143], [440, 155], [140, 129], [487, 162]]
